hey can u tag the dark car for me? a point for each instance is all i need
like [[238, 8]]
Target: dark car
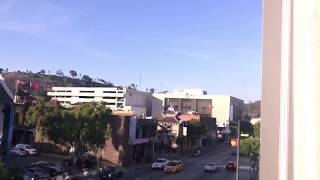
[[233, 152], [231, 166], [196, 154], [110, 172], [86, 161], [51, 168]]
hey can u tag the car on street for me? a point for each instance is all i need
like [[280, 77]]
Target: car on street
[[51, 168], [233, 152], [110, 172], [26, 147], [160, 163], [36, 173], [231, 166], [86, 161], [211, 167], [173, 166], [196, 154], [17, 152]]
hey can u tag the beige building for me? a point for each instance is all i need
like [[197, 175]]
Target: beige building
[[116, 98], [223, 108]]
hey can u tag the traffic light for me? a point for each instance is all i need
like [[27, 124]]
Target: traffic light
[[234, 142]]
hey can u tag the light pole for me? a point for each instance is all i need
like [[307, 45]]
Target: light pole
[[238, 149]]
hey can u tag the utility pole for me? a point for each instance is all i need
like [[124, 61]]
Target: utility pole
[[238, 149]]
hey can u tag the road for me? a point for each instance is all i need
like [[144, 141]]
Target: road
[[193, 168]]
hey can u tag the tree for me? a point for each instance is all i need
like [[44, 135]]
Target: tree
[[85, 127], [42, 71], [246, 127], [250, 147], [60, 72], [256, 128], [73, 73], [86, 78], [1, 70], [195, 131], [132, 86]]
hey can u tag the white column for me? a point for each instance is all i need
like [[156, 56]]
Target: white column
[[290, 147]]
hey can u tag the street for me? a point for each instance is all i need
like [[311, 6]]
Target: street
[[193, 168]]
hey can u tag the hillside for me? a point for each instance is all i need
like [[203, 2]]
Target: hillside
[[46, 82]]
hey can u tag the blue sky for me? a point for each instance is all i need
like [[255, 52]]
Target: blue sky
[[209, 44]]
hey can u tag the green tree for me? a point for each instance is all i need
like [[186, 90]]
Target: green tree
[[85, 127], [195, 131], [73, 73], [246, 127], [1, 70], [256, 128], [86, 78]]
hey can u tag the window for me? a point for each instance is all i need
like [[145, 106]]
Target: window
[[86, 91], [86, 97], [109, 91]]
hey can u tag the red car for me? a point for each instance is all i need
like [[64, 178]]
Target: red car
[[231, 166]]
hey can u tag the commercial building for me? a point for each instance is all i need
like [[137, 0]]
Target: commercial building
[[116, 98], [132, 140], [196, 101]]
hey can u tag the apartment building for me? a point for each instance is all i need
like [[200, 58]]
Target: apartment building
[[196, 101], [116, 98]]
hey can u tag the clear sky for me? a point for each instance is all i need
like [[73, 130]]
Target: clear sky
[[209, 44]]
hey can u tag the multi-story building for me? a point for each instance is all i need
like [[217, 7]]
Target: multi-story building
[[115, 98], [222, 107], [132, 140]]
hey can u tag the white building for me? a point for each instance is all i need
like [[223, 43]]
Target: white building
[[222, 107], [116, 98]]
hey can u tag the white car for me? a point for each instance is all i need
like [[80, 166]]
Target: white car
[[160, 163], [18, 152], [210, 167], [30, 150]]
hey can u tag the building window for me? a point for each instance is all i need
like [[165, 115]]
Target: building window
[[86, 91], [109, 91], [86, 97], [110, 103], [109, 97]]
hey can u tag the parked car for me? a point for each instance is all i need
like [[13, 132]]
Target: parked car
[[160, 163], [173, 166], [110, 172], [51, 168], [31, 150], [36, 173], [196, 154], [210, 167], [86, 161], [18, 152], [231, 166]]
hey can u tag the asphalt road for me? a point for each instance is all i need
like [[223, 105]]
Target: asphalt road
[[193, 168]]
